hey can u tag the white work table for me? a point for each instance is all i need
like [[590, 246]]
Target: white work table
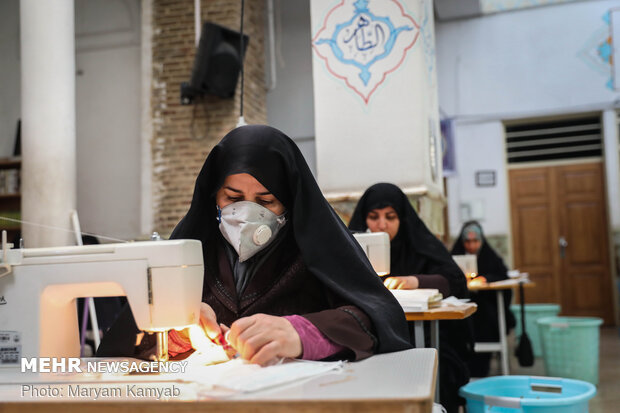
[[394, 382]]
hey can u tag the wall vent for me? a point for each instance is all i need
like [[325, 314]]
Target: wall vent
[[554, 140]]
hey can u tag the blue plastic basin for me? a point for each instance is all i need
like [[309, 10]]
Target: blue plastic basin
[[527, 394]]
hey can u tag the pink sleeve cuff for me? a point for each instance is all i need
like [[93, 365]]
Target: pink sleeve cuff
[[315, 346]]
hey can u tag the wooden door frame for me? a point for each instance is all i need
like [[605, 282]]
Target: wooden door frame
[[511, 256]]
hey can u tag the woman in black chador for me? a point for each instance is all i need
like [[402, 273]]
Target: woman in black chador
[[281, 269], [419, 260], [491, 266]]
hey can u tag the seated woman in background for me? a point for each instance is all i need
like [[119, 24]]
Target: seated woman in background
[[272, 273], [419, 260], [491, 266]]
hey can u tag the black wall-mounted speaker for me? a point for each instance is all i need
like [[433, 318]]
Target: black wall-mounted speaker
[[217, 64]]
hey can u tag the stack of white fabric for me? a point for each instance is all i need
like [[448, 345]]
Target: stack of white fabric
[[417, 300]]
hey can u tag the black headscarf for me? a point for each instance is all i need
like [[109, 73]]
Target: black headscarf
[[328, 249], [414, 249]]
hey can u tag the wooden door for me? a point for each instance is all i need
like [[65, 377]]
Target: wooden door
[[563, 205], [585, 273], [534, 231]]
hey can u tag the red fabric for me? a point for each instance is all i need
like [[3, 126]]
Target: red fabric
[[314, 344], [176, 344]]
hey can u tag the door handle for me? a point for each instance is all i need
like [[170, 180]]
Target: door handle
[[563, 244]]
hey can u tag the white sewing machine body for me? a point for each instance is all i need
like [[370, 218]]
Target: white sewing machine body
[[376, 245], [161, 279], [468, 263]]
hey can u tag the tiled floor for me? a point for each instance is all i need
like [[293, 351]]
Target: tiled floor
[[607, 399]]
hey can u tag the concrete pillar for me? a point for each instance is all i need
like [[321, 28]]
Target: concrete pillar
[[612, 165], [375, 101], [48, 120], [376, 112], [146, 177]]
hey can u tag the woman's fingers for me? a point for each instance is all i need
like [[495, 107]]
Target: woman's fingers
[[393, 283], [412, 282], [401, 283], [228, 348], [208, 321], [262, 337], [267, 354], [252, 340], [200, 336], [252, 336], [237, 328]]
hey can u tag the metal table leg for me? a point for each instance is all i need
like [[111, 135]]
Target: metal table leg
[[418, 328], [435, 344], [502, 332]]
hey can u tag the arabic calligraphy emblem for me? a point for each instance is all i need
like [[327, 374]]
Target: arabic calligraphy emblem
[[362, 46]]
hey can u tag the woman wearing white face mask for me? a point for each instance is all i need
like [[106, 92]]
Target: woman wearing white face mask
[[282, 272]]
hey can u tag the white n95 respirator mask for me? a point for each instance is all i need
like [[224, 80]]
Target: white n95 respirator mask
[[248, 227]]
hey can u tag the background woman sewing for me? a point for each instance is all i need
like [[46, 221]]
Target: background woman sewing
[[419, 260], [490, 266]]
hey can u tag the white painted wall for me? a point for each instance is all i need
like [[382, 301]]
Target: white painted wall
[[516, 65], [522, 62], [109, 116], [475, 142], [498, 6], [108, 86], [10, 93], [290, 103]]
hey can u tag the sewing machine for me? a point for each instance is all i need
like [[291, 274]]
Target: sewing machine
[[376, 245], [468, 263], [39, 286]]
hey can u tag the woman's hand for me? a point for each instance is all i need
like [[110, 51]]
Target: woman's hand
[[208, 321], [261, 338], [207, 331], [409, 282]]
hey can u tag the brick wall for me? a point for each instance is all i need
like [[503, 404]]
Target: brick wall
[[184, 135]]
